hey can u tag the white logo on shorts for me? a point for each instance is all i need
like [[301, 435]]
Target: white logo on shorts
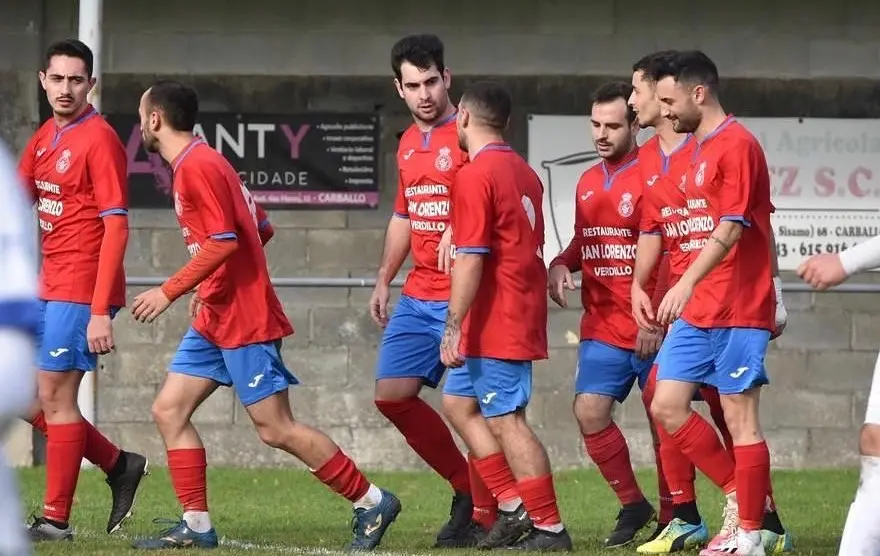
[[488, 398], [255, 381], [739, 372], [58, 352]]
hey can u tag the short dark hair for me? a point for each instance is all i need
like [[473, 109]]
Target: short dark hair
[[692, 67], [654, 63], [72, 48], [178, 103], [422, 51], [613, 90], [490, 102]]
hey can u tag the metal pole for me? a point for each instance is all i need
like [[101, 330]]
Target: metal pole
[[90, 12]]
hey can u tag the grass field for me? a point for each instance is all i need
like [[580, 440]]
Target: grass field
[[288, 512]]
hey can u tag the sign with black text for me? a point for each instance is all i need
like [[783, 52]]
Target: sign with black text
[[286, 161]]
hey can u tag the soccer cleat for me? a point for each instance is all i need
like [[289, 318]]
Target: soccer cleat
[[774, 543], [677, 536], [370, 525], [41, 529], [657, 531], [630, 520], [458, 532], [123, 487], [508, 528], [179, 535], [729, 525], [541, 540], [741, 543]]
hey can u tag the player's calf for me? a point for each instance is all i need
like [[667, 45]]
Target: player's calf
[[606, 446]]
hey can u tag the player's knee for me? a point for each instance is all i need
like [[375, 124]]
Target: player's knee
[[167, 415], [508, 425], [668, 414], [274, 435], [397, 389], [869, 440], [593, 414]]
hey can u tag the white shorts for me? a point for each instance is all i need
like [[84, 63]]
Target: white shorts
[[872, 415]]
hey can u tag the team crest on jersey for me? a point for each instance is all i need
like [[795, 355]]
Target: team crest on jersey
[[63, 163], [625, 208], [682, 182], [444, 160], [177, 206], [701, 174]]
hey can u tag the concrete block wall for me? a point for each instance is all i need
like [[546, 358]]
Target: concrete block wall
[[799, 58]]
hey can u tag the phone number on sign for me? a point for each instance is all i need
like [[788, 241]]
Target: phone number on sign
[[809, 249]]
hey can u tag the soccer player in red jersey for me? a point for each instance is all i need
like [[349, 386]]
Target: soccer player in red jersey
[[236, 335], [718, 335], [74, 168], [613, 354], [664, 160], [497, 318], [428, 159]]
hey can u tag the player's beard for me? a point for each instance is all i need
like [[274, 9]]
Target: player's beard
[[687, 122], [151, 144], [462, 141]]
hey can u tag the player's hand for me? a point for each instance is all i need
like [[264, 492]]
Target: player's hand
[[673, 302], [444, 252], [781, 311], [449, 347], [822, 271], [648, 343], [379, 304], [643, 310], [559, 280], [99, 334], [195, 305], [149, 305]]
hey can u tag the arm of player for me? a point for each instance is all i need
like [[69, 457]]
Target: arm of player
[[209, 258], [397, 240], [649, 249], [830, 269], [472, 218], [570, 256], [264, 227], [107, 165], [781, 311]]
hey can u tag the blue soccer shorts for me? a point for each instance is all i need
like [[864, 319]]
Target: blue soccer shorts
[[411, 343], [256, 371], [61, 337], [499, 386], [730, 359], [609, 370]]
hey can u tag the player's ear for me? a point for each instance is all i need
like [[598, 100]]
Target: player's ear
[[447, 78], [42, 76], [699, 94], [398, 86]]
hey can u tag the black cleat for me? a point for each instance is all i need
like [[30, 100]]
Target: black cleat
[[630, 520], [455, 534], [124, 480], [508, 528], [541, 540]]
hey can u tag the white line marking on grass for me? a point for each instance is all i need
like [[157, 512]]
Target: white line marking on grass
[[251, 546]]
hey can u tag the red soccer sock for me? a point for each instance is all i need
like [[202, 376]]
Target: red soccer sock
[[752, 484], [65, 448], [99, 450], [342, 475], [698, 441], [539, 499], [498, 477], [429, 436], [608, 450], [664, 494], [712, 398], [678, 470], [188, 470], [485, 508]]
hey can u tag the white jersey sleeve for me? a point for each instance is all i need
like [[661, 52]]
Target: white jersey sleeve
[[18, 250], [861, 257]]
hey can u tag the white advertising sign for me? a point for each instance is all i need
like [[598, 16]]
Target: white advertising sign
[[824, 174]]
